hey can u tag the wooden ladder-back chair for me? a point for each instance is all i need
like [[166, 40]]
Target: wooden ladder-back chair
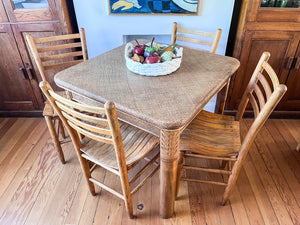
[[57, 53], [194, 36], [217, 137], [102, 143]]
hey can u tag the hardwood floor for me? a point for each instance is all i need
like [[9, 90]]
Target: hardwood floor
[[35, 188]]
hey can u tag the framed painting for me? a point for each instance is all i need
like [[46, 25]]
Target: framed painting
[[163, 7]]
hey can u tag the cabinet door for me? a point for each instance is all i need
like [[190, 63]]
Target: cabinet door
[[30, 10], [37, 30], [3, 17], [274, 11], [282, 45], [16, 91], [291, 100]]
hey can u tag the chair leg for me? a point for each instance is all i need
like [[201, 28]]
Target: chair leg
[[87, 174], [232, 180], [62, 130], [49, 121], [179, 170], [126, 193]]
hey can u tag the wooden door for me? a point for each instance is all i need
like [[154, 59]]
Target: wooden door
[[291, 100], [31, 10], [37, 30], [281, 44], [16, 90]]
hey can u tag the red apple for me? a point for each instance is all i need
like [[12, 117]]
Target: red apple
[[152, 59], [139, 49]]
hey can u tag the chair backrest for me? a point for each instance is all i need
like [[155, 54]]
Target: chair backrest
[[57, 52], [262, 97], [196, 36], [97, 123]]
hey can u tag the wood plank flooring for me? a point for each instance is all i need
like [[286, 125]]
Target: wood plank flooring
[[35, 188]]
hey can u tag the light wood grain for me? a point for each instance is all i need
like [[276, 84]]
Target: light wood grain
[[219, 136], [152, 103], [178, 31], [59, 52], [196, 203], [102, 143]]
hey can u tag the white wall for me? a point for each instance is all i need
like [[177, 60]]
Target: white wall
[[105, 32]]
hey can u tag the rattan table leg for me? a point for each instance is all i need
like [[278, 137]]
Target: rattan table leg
[[169, 147]]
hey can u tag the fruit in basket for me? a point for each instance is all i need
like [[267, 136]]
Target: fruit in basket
[[168, 48], [149, 50], [167, 56], [139, 49], [153, 58], [155, 45], [137, 58]]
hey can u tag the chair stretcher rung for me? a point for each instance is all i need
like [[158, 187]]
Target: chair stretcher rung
[[107, 188], [207, 170], [204, 181]]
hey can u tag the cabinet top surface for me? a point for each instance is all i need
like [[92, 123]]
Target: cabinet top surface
[[168, 102]]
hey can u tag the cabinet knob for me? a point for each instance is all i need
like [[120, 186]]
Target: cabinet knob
[[22, 73]]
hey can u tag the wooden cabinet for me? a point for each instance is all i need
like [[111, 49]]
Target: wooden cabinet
[[19, 78], [268, 29]]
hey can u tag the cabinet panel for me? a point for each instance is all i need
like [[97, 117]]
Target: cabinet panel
[[3, 16], [259, 13], [16, 91], [281, 45], [37, 30], [291, 100], [46, 12]]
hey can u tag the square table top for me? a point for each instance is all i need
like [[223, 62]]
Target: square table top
[[167, 102]]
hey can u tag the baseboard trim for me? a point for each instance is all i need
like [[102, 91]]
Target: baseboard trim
[[35, 113]]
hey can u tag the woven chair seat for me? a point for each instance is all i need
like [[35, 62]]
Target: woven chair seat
[[212, 134], [136, 143]]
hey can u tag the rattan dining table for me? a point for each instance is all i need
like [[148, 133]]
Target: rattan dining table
[[161, 105]]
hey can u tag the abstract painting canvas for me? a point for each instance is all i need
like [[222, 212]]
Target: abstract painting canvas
[[153, 7]]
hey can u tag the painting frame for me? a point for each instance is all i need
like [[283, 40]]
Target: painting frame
[[153, 7]]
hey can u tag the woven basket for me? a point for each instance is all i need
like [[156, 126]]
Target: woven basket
[[155, 69]]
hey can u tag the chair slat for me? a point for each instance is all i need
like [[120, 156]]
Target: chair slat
[[64, 64], [271, 74], [254, 105], [194, 40], [57, 38], [265, 84], [87, 108], [59, 47], [87, 126], [91, 135], [61, 56], [196, 32], [260, 96], [87, 118]]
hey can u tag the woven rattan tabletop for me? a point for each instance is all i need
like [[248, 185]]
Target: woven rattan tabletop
[[167, 102]]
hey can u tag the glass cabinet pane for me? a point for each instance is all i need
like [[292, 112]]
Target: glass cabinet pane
[[30, 4], [280, 3]]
